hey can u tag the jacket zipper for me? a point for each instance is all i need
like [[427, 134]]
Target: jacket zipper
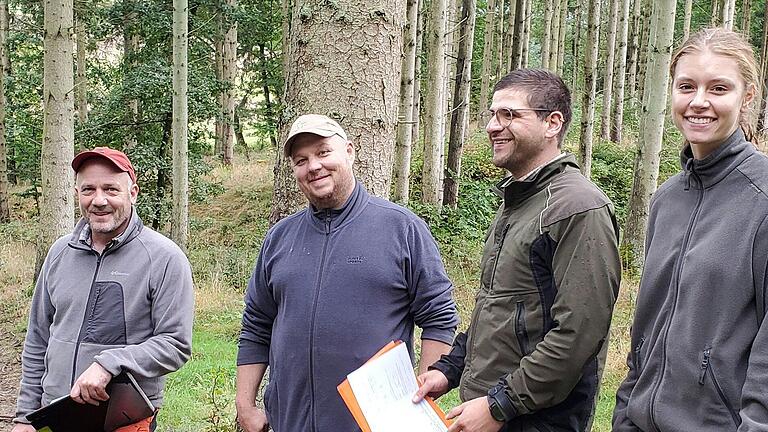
[[678, 272], [327, 224], [706, 369], [473, 330], [520, 329], [85, 319], [638, 359]]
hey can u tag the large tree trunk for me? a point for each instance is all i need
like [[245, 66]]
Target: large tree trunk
[[605, 115], [620, 79], [180, 213], [729, 7], [460, 114], [634, 48], [590, 84], [81, 82], [228, 70], [651, 128], [404, 143], [417, 76], [554, 47], [485, 75], [357, 43], [717, 13], [57, 205], [434, 133], [5, 212], [509, 33], [527, 33], [517, 38], [642, 61], [546, 39], [746, 16], [499, 40], [687, 19], [561, 36], [576, 46], [269, 110]]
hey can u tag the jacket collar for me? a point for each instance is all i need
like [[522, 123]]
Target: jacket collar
[[516, 191], [327, 220], [719, 163], [81, 237]]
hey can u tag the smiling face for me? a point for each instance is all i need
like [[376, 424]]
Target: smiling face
[[323, 169], [709, 96], [105, 195]]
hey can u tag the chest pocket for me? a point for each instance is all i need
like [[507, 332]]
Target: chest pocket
[[105, 315]]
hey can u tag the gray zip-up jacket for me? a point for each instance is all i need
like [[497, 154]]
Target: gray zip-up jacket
[[129, 308], [699, 359]]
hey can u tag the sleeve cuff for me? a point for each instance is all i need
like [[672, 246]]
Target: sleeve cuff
[[438, 334], [250, 353]]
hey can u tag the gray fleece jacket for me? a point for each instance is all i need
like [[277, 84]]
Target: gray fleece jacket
[[129, 308], [699, 359]]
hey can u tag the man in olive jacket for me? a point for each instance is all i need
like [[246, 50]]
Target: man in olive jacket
[[536, 345]]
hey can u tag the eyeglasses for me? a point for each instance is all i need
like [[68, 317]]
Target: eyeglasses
[[505, 115]]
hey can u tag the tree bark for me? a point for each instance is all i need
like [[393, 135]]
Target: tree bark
[[228, 71], [576, 46], [404, 143], [357, 43], [499, 40], [729, 7], [434, 133], [460, 114], [81, 82], [687, 19], [485, 75], [269, 110], [633, 49], [57, 204], [5, 211], [554, 47], [605, 115], [651, 128], [180, 211], [527, 33], [561, 38], [717, 13], [746, 16], [620, 79], [590, 84], [517, 39], [417, 75], [508, 50], [546, 39], [642, 62]]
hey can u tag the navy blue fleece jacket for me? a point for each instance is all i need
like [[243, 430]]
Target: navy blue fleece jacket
[[330, 288]]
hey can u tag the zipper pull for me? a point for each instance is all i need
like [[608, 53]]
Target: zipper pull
[[327, 221], [704, 366]]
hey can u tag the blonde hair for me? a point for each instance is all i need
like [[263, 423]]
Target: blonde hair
[[727, 43]]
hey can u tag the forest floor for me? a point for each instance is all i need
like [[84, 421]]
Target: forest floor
[[226, 231]]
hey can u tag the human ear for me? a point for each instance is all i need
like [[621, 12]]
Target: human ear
[[554, 124]]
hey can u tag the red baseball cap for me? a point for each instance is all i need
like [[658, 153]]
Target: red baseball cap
[[118, 158]]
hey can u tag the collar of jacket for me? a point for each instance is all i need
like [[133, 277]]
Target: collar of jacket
[[514, 192], [331, 219], [718, 164], [135, 225]]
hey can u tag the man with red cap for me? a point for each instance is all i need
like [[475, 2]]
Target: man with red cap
[[112, 296]]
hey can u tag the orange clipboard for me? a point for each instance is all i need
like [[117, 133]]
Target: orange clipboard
[[345, 390]]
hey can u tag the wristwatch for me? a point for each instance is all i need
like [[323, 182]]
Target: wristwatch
[[493, 404]]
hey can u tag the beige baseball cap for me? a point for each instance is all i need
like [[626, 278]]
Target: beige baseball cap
[[315, 124]]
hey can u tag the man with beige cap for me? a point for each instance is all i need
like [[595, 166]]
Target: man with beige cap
[[333, 284]]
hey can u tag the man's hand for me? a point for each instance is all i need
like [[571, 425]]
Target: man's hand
[[22, 427], [433, 384], [91, 385], [473, 416], [252, 419]]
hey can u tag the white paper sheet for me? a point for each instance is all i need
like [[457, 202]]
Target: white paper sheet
[[384, 387]]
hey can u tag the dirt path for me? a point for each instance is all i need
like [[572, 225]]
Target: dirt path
[[10, 371]]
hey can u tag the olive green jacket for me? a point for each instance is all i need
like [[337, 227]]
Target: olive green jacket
[[550, 277]]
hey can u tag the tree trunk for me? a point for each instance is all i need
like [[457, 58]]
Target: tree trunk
[[5, 212], [434, 134], [620, 79], [404, 143], [687, 19], [546, 39], [561, 38], [576, 46], [746, 16], [527, 33], [651, 128], [590, 84], [228, 70], [642, 62], [605, 115], [358, 44], [417, 76], [485, 75], [633, 49], [729, 7], [517, 38], [717, 10], [554, 47], [460, 114], [180, 212], [81, 82], [508, 50], [499, 39], [57, 205]]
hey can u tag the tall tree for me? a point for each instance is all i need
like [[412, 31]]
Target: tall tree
[[460, 113], [576, 45], [499, 40], [358, 43], [687, 19], [434, 134], [590, 84], [228, 69], [546, 39], [518, 37], [746, 16], [485, 75], [404, 143], [561, 36], [717, 12], [554, 46], [651, 127], [729, 9], [526, 33], [57, 204], [180, 213], [81, 82], [620, 80], [5, 212], [509, 34], [605, 116]]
